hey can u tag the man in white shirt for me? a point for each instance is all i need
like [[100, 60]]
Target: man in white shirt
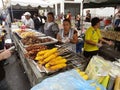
[[28, 21]]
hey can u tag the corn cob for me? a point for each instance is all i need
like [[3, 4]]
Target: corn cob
[[58, 62], [57, 58], [50, 58], [53, 60], [42, 52], [39, 58], [56, 67], [50, 52]]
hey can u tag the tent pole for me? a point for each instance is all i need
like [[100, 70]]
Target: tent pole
[[11, 10], [114, 17], [82, 16], [3, 4]]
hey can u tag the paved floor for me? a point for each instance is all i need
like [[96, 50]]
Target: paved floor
[[15, 75]]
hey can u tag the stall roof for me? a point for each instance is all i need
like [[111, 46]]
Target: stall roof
[[33, 3], [100, 3]]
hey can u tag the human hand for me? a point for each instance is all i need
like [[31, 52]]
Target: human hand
[[110, 43], [5, 54], [66, 40], [99, 45]]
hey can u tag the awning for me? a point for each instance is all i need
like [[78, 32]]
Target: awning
[[100, 3], [33, 3]]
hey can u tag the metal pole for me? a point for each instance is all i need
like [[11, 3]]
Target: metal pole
[[3, 4], [11, 10], [82, 16]]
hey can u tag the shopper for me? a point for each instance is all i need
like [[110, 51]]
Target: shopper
[[117, 17], [51, 28], [68, 35], [28, 21], [88, 16], [43, 20], [37, 22], [93, 38], [77, 18], [3, 55], [69, 16]]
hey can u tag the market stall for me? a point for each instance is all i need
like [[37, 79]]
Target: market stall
[[43, 58], [30, 44]]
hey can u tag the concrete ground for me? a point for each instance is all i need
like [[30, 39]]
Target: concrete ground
[[15, 74]]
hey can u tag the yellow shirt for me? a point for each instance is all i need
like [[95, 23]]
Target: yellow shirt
[[93, 35]]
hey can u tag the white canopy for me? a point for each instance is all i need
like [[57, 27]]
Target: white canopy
[[95, 1], [33, 3]]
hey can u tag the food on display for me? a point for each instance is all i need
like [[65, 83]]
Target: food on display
[[30, 40], [55, 61], [57, 66], [32, 50], [113, 35], [51, 60], [35, 40], [26, 34], [82, 74]]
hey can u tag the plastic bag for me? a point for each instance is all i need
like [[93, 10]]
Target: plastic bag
[[98, 67], [69, 80]]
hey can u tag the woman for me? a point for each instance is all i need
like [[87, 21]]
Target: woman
[[93, 38], [68, 35], [50, 27]]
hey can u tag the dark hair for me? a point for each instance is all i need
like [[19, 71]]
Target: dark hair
[[94, 21], [51, 13], [67, 20]]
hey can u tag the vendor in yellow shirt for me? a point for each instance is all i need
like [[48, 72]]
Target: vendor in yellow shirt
[[93, 38]]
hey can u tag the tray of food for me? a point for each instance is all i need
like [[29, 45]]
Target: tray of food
[[27, 32], [50, 61], [37, 40], [32, 50]]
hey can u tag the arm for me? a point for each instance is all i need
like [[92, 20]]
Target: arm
[[59, 38], [105, 41], [91, 42], [55, 29], [75, 38], [32, 24], [5, 54]]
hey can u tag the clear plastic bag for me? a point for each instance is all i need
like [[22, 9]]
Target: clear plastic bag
[[69, 80]]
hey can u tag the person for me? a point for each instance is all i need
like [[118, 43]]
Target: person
[[3, 56], [61, 17], [93, 38], [23, 17], [109, 26], [43, 20], [69, 15], [37, 22], [88, 16], [77, 18], [117, 18], [50, 27], [28, 22], [68, 35], [1, 19]]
